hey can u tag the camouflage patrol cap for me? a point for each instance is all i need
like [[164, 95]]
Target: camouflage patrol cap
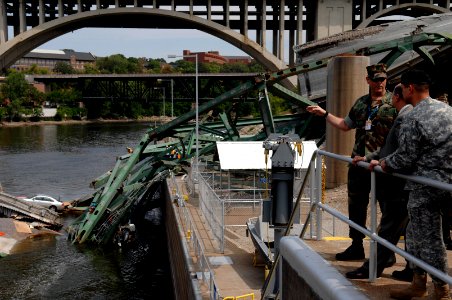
[[376, 71]]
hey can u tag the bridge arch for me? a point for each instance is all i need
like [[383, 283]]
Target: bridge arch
[[23, 43], [431, 9]]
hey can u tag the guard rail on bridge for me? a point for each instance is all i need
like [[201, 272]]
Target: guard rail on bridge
[[10, 205]]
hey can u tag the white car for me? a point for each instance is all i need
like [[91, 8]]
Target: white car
[[46, 201]]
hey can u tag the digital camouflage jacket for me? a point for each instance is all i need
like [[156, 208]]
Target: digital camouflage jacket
[[425, 143]]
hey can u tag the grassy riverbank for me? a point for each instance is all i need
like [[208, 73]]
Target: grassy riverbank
[[153, 119]]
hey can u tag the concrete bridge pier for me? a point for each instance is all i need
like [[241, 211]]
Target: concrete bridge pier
[[346, 82], [333, 16]]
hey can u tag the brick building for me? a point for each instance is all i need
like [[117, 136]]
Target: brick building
[[215, 57], [48, 59]]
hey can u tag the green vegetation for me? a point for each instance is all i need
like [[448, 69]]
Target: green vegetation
[[19, 98]]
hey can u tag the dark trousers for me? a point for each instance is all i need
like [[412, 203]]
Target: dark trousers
[[358, 187], [394, 219], [392, 201]]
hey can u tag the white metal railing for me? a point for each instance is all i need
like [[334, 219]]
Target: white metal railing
[[212, 208], [194, 242], [320, 208]]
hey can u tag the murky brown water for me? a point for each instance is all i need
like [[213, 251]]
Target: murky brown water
[[61, 160]]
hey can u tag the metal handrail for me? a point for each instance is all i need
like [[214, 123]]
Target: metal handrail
[[371, 234], [319, 207]]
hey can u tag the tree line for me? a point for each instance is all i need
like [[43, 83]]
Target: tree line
[[20, 99]]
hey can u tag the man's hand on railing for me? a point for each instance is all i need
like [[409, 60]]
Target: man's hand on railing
[[384, 166], [373, 163], [357, 159]]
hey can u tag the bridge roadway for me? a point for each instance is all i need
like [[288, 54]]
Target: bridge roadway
[[10, 205], [145, 86]]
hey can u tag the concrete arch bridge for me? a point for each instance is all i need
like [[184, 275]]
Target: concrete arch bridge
[[261, 28]]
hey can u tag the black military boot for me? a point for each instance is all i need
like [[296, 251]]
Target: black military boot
[[354, 252], [404, 275]]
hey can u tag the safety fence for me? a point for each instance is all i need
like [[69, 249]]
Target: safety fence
[[229, 199], [193, 240]]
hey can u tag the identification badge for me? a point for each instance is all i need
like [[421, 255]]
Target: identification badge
[[368, 125]]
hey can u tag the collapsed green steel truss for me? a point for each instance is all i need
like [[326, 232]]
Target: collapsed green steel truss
[[135, 173]]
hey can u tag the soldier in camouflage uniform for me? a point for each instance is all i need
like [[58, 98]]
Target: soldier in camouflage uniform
[[390, 193], [425, 150], [372, 116]]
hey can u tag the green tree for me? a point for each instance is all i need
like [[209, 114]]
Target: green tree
[[255, 67], [117, 64], [234, 68], [91, 69], [15, 86], [35, 69], [156, 65], [63, 68], [66, 97], [209, 68], [20, 96]]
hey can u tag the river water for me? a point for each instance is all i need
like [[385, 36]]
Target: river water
[[61, 161]]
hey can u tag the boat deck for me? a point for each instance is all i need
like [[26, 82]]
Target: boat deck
[[236, 272]]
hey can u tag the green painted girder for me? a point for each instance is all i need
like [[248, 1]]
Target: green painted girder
[[230, 129], [266, 112], [91, 220], [163, 130], [280, 91], [240, 123], [413, 42]]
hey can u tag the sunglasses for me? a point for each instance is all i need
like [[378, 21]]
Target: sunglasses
[[381, 79]]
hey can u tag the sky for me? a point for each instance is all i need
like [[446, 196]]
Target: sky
[[149, 43]]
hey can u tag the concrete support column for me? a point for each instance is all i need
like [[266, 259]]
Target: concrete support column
[[258, 7], [173, 6], [299, 39], [291, 44], [3, 23], [281, 30], [226, 13], [333, 16], [61, 9], [191, 7], [275, 42], [245, 18], [22, 19], [79, 6], [364, 10], [264, 24], [292, 21], [154, 4], [275, 31], [448, 4], [209, 10], [42, 14], [346, 82]]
